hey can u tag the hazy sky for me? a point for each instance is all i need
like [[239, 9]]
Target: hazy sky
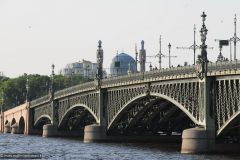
[[36, 33]]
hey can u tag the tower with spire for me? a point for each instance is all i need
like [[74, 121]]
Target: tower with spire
[[142, 57]]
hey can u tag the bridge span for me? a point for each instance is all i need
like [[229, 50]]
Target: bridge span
[[154, 103], [15, 120]]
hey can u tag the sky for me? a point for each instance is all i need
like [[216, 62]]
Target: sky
[[34, 34]]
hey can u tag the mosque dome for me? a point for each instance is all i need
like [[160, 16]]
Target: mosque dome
[[121, 63]]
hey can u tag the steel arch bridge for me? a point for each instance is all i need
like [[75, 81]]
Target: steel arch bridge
[[167, 100]]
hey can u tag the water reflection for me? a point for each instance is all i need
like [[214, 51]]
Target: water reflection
[[59, 148]]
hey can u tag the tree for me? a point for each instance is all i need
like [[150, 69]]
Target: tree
[[14, 89]]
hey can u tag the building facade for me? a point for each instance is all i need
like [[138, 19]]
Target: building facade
[[84, 68]]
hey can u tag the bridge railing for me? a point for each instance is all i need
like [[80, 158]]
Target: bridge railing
[[75, 89], [40, 100], [224, 66], [181, 70], [174, 71], [67, 91]]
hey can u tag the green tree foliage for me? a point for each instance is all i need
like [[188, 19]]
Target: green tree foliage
[[14, 89]]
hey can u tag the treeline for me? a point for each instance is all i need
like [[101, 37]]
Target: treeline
[[13, 90]]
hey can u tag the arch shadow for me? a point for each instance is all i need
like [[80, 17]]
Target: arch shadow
[[6, 122], [164, 97], [68, 112], [21, 128], [42, 120], [228, 123], [13, 121]]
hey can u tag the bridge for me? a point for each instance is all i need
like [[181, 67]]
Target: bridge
[[200, 102], [15, 120], [160, 101]]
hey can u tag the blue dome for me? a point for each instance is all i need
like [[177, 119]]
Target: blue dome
[[120, 64]]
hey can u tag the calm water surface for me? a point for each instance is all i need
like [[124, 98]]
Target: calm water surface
[[60, 148]]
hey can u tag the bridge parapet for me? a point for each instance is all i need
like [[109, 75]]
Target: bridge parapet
[[222, 68], [218, 68], [39, 101], [155, 75], [65, 92], [88, 86]]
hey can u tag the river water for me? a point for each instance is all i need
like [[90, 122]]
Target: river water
[[61, 148]]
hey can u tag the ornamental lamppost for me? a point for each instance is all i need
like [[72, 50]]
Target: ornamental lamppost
[[99, 56], [72, 81], [27, 89], [52, 79], [53, 121], [2, 100], [169, 54], [2, 119], [203, 61], [203, 33], [99, 61]]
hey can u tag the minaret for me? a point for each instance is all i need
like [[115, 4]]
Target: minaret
[[99, 60], [142, 57], [136, 58]]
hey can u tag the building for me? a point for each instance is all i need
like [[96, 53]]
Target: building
[[121, 64], [84, 68], [142, 57]]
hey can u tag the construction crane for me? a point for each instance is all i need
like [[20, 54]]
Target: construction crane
[[234, 39], [160, 55], [193, 47]]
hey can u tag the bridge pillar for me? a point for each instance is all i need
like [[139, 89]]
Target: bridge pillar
[[2, 122], [30, 122], [202, 139], [198, 140], [7, 128], [27, 119], [14, 128], [97, 132], [50, 130]]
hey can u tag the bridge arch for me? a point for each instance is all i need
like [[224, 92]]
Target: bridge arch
[[21, 124], [68, 112], [6, 122], [42, 120], [177, 105], [158, 95], [13, 121], [228, 123]]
